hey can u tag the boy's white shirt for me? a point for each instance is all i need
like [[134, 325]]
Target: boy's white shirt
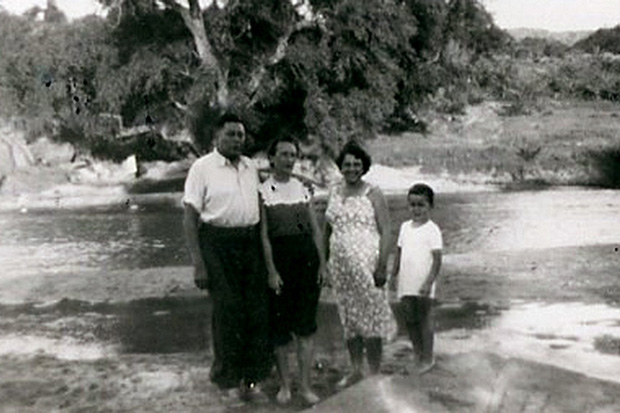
[[416, 259]]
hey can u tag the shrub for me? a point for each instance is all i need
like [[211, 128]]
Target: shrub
[[606, 162]]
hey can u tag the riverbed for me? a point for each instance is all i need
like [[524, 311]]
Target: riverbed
[[527, 274]]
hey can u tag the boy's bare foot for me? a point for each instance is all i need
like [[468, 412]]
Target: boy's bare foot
[[284, 395], [310, 397], [350, 379]]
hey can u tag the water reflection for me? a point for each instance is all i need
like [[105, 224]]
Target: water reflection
[[175, 324], [574, 336], [152, 236], [64, 241]]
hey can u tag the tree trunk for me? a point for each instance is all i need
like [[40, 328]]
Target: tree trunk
[[194, 22]]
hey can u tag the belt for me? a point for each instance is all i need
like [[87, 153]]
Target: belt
[[229, 232]]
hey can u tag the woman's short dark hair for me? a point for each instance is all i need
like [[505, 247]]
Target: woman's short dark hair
[[424, 190], [353, 148], [273, 146]]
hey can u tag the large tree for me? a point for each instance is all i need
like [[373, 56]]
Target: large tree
[[328, 69]]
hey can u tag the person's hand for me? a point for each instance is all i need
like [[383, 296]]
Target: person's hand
[[275, 282], [425, 289], [322, 275], [380, 276], [201, 279], [393, 283], [326, 279]]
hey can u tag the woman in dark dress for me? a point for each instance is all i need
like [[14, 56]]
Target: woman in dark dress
[[292, 244]]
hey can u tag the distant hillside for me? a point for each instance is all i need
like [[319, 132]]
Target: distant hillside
[[603, 40], [569, 38]]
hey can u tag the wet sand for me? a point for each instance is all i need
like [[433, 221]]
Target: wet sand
[[138, 341]]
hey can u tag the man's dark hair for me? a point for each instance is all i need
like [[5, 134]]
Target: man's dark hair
[[227, 117], [424, 190], [206, 119], [353, 148]]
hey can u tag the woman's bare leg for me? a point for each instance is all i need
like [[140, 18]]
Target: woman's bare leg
[[305, 357], [284, 394]]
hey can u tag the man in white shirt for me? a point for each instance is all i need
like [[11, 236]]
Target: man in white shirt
[[221, 226]]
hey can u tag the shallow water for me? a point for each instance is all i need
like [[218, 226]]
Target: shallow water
[[576, 336], [151, 236], [585, 337]]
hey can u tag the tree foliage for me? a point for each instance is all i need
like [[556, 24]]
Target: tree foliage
[[602, 40], [324, 70]]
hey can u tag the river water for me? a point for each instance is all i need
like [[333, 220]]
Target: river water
[[138, 237], [152, 236]]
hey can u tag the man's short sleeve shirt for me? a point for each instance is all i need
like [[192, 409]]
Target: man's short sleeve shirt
[[223, 194]]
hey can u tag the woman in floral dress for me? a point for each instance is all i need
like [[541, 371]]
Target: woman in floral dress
[[358, 235]]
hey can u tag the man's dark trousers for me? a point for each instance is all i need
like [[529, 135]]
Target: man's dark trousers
[[238, 289]]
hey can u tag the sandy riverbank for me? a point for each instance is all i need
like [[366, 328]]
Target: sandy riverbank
[[91, 342]]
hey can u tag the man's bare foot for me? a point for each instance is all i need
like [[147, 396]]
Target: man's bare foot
[[309, 397], [253, 392], [284, 395], [231, 398], [352, 378], [426, 366]]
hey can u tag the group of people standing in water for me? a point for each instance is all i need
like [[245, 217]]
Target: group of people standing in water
[[257, 246]]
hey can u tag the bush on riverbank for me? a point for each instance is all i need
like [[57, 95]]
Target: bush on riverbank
[[607, 162]]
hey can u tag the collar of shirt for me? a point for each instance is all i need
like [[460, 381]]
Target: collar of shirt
[[224, 161]]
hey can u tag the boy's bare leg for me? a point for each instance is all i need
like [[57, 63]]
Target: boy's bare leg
[[305, 357], [284, 394], [427, 330], [415, 335]]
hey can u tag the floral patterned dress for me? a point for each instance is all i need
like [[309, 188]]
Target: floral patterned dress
[[354, 251]]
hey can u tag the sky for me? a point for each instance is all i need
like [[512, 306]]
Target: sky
[[554, 15]]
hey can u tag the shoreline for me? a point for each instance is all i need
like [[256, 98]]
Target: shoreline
[[76, 197]]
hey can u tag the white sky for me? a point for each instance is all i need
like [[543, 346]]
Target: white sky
[[556, 15], [72, 8]]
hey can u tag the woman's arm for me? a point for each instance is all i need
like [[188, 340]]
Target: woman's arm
[[318, 240], [395, 268], [274, 280], [384, 225]]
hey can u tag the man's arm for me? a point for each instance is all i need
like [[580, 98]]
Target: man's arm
[[191, 222]]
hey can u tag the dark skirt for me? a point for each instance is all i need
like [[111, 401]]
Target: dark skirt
[[293, 311]]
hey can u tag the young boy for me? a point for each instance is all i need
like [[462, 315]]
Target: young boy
[[416, 266]]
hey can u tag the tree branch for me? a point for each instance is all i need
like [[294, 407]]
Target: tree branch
[[178, 8], [183, 108], [259, 73], [192, 17], [194, 9]]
